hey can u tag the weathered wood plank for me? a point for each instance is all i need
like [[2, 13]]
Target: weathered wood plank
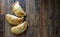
[[53, 18], [7, 25], [57, 8], [2, 4], [2, 25], [2, 18], [33, 18], [43, 19]]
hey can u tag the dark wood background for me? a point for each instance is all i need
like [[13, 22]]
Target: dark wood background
[[43, 17]]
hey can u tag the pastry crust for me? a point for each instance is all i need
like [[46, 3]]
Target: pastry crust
[[17, 9], [13, 19], [19, 28]]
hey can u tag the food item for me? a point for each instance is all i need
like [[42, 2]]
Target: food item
[[17, 9], [13, 19], [19, 28]]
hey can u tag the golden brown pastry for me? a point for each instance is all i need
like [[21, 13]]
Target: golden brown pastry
[[18, 11], [13, 19], [19, 28]]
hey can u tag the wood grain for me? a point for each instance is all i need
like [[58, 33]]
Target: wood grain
[[2, 25], [2, 18], [33, 18], [2, 4], [57, 14], [53, 18], [43, 19]]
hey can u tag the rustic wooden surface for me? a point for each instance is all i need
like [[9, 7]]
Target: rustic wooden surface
[[2, 25], [2, 18], [33, 19], [54, 18], [51, 18], [57, 8], [42, 17]]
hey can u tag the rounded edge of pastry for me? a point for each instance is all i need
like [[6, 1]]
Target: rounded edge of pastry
[[17, 9], [11, 19], [19, 28]]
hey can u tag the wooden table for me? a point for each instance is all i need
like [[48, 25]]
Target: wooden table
[[43, 17]]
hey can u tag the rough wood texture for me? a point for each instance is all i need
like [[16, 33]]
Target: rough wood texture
[[57, 14], [2, 18], [33, 18], [51, 18], [54, 18], [2, 6], [43, 19], [2, 25]]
